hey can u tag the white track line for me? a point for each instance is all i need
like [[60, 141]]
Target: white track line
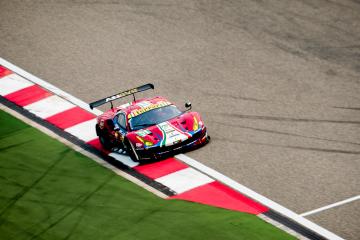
[[191, 162], [257, 197], [331, 206]]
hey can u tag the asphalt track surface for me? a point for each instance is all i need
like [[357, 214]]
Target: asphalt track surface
[[277, 83]]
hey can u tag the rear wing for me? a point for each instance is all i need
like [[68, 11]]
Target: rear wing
[[121, 95]]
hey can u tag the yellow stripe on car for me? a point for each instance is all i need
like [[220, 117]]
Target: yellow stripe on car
[[196, 124]]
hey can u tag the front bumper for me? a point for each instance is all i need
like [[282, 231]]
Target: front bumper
[[198, 139]]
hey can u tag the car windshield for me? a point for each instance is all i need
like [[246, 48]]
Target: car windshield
[[154, 117]]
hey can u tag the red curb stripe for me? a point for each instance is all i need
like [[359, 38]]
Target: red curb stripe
[[162, 168], [96, 144], [28, 95], [4, 71], [219, 195], [70, 117]]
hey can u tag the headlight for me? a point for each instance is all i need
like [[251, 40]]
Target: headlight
[[148, 144], [143, 142], [139, 145]]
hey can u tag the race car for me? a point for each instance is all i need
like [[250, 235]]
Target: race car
[[148, 128]]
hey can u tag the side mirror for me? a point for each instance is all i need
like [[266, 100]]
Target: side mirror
[[188, 106]]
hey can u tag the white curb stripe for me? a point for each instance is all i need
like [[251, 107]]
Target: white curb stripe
[[49, 106], [125, 159], [84, 131], [257, 197], [184, 180], [12, 83], [331, 206]]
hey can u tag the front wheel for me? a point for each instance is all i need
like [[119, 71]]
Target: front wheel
[[131, 151], [105, 142]]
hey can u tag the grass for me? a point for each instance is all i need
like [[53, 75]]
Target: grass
[[49, 191]]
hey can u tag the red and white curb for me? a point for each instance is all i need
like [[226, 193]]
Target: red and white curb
[[187, 178]]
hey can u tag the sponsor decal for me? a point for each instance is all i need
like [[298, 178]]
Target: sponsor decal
[[120, 95], [137, 112], [143, 132], [171, 135]]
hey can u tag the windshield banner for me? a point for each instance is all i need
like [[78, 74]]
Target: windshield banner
[[137, 112]]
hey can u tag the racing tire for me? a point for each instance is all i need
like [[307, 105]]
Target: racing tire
[[105, 142], [131, 151]]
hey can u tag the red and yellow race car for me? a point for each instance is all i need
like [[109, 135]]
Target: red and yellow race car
[[149, 128]]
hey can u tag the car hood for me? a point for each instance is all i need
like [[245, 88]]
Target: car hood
[[167, 133]]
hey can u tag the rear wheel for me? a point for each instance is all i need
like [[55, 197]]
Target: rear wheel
[[104, 139], [105, 142]]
